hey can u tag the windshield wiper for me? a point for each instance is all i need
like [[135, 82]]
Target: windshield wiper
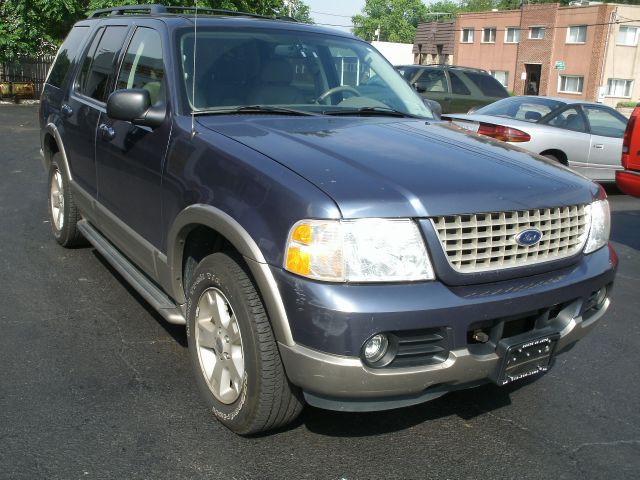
[[382, 111], [254, 109]]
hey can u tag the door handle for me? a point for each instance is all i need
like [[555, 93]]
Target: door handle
[[107, 133], [599, 146], [66, 110]]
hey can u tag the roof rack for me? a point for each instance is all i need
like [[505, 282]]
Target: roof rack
[[155, 9]]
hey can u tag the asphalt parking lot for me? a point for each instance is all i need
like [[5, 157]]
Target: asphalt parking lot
[[94, 384]]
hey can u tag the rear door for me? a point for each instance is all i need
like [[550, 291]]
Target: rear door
[[85, 102], [130, 157]]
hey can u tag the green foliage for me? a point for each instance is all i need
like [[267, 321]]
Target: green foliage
[[627, 104], [30, 28], [396, 19]]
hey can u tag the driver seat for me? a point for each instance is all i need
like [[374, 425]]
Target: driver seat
[[276, 77]]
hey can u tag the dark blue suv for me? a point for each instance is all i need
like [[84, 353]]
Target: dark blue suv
[[282, 191]]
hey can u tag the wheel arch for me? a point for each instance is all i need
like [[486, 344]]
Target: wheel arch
[[559, 154], [52, 144], [206, 218]]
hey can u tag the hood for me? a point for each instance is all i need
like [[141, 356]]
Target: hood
[[387, 167]]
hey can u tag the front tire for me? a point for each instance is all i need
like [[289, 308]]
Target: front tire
[[63, 213], [233, 351]]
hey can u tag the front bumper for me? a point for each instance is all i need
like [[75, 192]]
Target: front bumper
[[343, 382], [629, 182]]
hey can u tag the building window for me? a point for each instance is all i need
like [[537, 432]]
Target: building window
[[577, 34], [512, 35], [570, 84], [628, 35], [501, 76], [536, 33], [467, 35], [489, 35], [619, 88]]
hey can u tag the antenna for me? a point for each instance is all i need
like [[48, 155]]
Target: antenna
[[193, 81]]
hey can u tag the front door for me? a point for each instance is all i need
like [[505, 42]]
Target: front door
[[534, 73], [130, 158], [607, 128]]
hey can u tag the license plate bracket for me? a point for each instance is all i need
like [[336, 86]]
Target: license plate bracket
[[524, 358]]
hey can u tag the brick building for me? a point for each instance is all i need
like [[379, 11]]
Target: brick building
[[434, 43], [588, 51]]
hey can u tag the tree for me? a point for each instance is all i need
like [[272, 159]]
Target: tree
[[396, 20], [296, 9], [30, 28]]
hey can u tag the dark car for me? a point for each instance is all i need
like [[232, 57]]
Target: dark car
[[280, 190], [628, 180], [456, 89]]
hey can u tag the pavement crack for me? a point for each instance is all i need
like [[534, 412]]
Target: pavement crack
[[613, 443]]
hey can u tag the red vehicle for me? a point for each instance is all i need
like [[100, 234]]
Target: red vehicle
[[628, 180]]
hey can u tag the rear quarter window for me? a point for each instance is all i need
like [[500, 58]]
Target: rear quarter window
[[488, 85], [66, 55]]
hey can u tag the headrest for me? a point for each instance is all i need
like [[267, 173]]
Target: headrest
[[277, 71]]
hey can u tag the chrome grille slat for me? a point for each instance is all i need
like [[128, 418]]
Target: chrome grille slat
[[486, 241]]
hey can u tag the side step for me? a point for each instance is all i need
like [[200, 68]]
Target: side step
[[138, 280]]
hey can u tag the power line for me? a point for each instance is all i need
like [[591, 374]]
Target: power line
[[331, 14]]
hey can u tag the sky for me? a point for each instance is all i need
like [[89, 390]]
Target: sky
[[327, 11]]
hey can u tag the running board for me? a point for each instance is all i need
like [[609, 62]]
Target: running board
[[138, 280]]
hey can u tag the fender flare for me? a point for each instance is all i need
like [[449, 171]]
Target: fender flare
[[53, 131], [214, 218]]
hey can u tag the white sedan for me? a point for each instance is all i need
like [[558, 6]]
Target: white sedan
[[585, 136]]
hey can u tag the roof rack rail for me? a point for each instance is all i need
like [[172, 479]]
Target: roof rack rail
[[155, 9]]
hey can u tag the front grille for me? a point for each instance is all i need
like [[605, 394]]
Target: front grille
[[486, 241]]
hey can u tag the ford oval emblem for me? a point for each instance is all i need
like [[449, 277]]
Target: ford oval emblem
[[528, 237]]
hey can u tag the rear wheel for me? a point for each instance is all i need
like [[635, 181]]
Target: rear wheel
[[233, 351], [63, 213]]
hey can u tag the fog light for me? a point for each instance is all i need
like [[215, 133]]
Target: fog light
[[601, 297], [375, 348]]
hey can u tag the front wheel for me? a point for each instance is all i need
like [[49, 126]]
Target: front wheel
[[233, 350]]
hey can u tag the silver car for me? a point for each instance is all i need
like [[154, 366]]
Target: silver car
[[585, 136]]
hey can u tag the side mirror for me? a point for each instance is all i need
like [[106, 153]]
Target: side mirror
[[420, 87], [435, 107], [134, 105]]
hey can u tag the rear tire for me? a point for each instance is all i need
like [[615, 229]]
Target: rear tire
[[233, 351], [551, 156], [63, 213]]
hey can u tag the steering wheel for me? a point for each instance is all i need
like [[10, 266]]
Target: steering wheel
[[338, 89]]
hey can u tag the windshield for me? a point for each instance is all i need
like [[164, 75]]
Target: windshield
[[290, 69], [529, 109]]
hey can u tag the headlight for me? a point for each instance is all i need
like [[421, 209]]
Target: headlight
[[366, 250], [600, 225]]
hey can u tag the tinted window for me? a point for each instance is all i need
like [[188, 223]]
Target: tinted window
[[604, 122], [432, 81], [68, 51], [457, 85], [406, 72], [98, 65], [488, 85], [142, 66], [570, 119]]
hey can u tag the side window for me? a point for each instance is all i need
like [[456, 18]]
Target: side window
[[67, 53], [570, 119], [457, 85], [605, 123], [99, 63], [433, 81], [488, 85], [142, 66]]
